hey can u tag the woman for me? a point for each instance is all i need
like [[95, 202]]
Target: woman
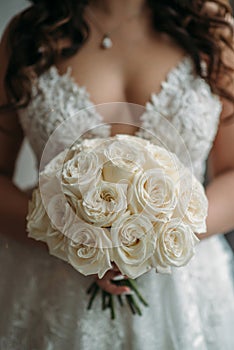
[[43, 300]]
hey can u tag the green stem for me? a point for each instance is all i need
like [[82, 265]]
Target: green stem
[[133, 286], [104, 296], [120, 300], [134, 303], [108, 299], [111, 305], [91, 287], [129, 301], [93, 296]]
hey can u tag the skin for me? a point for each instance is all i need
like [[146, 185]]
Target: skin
[[115, 71]]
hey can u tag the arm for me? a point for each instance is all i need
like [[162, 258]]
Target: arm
[[220, 190], [14, 203]]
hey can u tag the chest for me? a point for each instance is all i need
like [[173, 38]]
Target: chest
[[128, 72], [125, 73], [183, 116]]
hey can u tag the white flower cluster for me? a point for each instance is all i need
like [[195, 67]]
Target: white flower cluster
[[118, 200]]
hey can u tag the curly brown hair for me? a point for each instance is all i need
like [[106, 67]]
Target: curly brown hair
[[36, 32]]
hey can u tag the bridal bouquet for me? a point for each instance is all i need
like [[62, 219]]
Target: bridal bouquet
[[119, 200]]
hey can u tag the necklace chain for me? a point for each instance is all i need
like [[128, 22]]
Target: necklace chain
[[106, 41]]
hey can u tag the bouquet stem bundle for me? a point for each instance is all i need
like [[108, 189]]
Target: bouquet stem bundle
[[108, 299]]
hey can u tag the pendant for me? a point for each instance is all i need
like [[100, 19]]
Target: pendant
[[106, 42]]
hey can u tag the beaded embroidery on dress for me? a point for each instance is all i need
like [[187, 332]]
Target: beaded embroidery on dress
[[43, 300]]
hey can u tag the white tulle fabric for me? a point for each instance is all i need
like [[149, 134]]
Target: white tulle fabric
[[43, 300]]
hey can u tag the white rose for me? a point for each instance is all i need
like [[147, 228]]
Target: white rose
[[101, 205], [134, 241], [89, 253], [192, 204], [81, 172], [159, 157], [57, 243], [124, 159], [95, 144], [142, 143], [37, 219], [175, 244], [50, 224], [55, 166], [63, 216], [50, 191], [153, 193], [50, 178]]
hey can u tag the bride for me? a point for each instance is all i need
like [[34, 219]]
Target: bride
[[172, 56]]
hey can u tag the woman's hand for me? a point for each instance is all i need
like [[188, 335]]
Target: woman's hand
[[106, 284]]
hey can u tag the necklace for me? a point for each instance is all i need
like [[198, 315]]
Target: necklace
[[106, 40]]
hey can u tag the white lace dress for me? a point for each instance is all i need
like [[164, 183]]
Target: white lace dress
[[43, 300]]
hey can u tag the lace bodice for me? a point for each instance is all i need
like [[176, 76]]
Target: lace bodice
[[185, 106], [43, 299]]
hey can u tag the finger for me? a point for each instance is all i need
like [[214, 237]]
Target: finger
[[113, 288]]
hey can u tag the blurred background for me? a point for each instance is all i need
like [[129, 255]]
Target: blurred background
[[25, 174]]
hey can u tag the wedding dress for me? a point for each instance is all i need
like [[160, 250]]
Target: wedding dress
[[43, 300]]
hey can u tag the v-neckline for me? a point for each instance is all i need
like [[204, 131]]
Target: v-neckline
[[186, 60], [184, 64]]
